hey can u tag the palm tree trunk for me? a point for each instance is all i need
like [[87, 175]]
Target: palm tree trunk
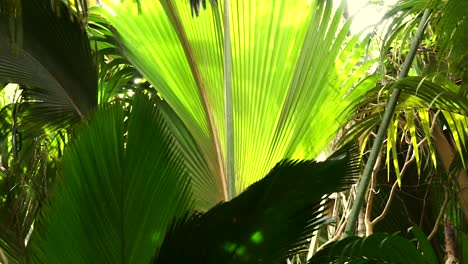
[[460, 179], [451, 248]]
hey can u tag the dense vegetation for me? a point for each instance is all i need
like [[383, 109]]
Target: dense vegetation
[[179, 131]]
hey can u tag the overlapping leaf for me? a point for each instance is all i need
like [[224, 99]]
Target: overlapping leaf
[[421, 94], [121, 185], [270, 220], [452, 33], [49, 53], [376, 248]]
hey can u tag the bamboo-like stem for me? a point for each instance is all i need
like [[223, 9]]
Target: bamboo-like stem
[[366, 177]]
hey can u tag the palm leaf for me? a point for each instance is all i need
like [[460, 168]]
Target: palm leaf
[[27, 165], [418, 107], [270, 220], [376, 248], [451, 33], [448, 26], [192, 156], [418, 93], [50, 54], [121, 185], [115, 71], [289, 65]]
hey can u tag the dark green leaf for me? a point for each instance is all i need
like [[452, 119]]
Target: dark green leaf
[[51, 56], [425, 245], [272, 219], [376, 248]]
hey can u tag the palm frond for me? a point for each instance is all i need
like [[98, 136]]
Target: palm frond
[[289, 61], [376, 248], [193, 157], [24, 189], [115, 71], [451, 33], [448, 27], [114, 203], [50, 54], [401, 20], [457, 125], [419, 94], [269, 221]]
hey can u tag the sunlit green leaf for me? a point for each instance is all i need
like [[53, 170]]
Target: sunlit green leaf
[[121, 185]]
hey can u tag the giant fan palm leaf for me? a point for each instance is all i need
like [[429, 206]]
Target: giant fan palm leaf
[[292, 76]]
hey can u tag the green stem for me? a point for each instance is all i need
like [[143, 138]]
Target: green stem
[[389, 111]]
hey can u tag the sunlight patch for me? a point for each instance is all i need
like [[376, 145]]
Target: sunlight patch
[[230, 247], [257, 237]]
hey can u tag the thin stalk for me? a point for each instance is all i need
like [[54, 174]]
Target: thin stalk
[[389, 111], [230, 176]]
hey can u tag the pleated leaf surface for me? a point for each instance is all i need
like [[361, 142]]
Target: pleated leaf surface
[[292, 76], [122, 184]]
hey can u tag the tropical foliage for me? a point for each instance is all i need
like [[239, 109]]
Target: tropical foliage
[[173, 131]]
